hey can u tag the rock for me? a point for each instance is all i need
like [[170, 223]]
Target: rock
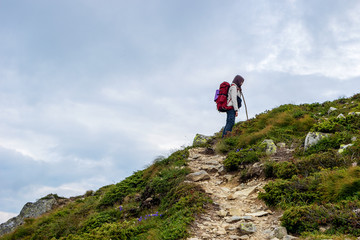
[[343, 147], [353, 139], [341, 116], [246, 228], [235, 211], [268, 146], [233, 219], [244, 237], [198, 176], [267, 233], [231, 197], [258, 214], [200, 139], [30, 210], [281, 145], [331, 109], [222, 213], [313, 138], [289, 237], [354, 113], [234, 237], [247, 217], [211, 168], [280, 232], [246, 192], [254, 171]]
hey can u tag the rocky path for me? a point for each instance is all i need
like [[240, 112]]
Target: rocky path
[[236, 212]]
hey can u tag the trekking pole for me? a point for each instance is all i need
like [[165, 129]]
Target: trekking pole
[[247, 117]]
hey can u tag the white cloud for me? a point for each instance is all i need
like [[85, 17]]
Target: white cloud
[[140, 80], [4, 216]]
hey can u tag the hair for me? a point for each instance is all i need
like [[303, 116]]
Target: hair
[[238, 80]]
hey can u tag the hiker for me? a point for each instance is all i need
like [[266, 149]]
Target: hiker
[[234, 100]]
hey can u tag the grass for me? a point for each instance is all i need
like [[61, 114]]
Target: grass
[[121, 211], [318, 189]]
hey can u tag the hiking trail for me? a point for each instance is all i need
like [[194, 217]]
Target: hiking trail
[[236, 212]]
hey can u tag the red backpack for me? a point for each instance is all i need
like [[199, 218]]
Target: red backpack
[[221, 96]]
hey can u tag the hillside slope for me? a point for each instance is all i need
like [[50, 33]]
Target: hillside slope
[[314, 193]]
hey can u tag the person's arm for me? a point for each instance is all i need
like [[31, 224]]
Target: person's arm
[[233, 93]]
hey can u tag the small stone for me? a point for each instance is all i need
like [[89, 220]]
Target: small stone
[[230, 228], [289, 237], [222, 213], [343, 147], [246, 192], [341, 116], [231, 197], [234, 237], [281, 145], [246, 228], [233, 219], [205, 236], [248, 218], [244, 237], [258, 214], [280, 232], [331, 109], [198, 176], [221, 231], [235, 212]]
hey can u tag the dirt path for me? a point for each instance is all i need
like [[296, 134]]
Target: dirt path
[[236, 212]]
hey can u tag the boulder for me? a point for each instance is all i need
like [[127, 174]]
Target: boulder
[[200, 139], [268, 146], [313, 138]]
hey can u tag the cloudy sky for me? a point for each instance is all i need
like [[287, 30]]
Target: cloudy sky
[[92, 90]]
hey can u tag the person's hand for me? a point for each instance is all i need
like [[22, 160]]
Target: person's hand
[[236, 113]]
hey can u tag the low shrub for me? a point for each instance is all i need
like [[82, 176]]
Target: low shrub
[[330, 159], [117, 192], [286, 193], [240, 157], [350, 123], [342, 217], [284, 170]]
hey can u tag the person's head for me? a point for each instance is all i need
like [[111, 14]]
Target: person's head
[[238, 80]]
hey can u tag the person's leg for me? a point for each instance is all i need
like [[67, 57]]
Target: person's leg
[[230, 121]]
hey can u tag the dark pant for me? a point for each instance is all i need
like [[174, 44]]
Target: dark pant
[[230, 121]]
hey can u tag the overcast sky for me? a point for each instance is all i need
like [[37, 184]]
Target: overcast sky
[[93, 90]]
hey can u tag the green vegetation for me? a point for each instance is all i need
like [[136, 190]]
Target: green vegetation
[[154, 203], [316, 188]]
